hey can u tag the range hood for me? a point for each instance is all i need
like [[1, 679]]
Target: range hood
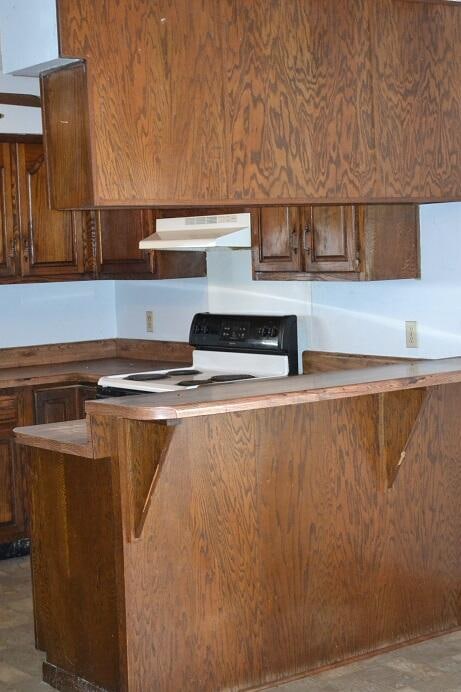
[[200, 233]]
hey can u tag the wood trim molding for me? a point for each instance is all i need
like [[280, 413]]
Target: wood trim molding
[[12, 138], [137, 349], [325, 361], [28, 100]]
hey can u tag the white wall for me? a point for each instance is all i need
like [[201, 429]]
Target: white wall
[[29, 35], [19, 119], [57, 312], [348, 317], [229, 288], [172, 302], [369, 317]]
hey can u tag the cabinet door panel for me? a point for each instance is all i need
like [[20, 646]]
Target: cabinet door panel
[[7, 493], [278, 240], [84, 393], [12, 488], [330, 239], [51, 240], [7, 249], [119, 232], [55, 405]]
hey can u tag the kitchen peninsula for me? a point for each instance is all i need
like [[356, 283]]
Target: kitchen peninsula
[[230, 537]]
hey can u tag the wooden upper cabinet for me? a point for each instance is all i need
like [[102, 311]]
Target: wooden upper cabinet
[[417, 98], [118, 233], [330, 239], [338, 242], [277, 239], [51, 241], [287, 102], [8, 255]]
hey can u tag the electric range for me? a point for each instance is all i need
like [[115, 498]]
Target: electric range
[[228, 348]]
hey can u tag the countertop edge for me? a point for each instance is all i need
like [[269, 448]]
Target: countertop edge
[[287, 392]]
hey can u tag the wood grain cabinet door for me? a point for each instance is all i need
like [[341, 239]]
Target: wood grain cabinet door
[[51, 241], [56, 404], [8, 259], [11, 478], [330, 239], [84, 393], [118, 233], [277, 240]]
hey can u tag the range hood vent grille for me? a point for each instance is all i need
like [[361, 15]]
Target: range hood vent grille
[[201, 233]]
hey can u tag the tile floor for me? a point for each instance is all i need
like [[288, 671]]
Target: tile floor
[[433, 666]]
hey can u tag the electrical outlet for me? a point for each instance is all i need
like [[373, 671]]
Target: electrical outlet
[[411, 332], [149, 321]]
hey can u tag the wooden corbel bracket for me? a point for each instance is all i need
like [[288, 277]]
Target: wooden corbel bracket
[[145, 451], [400, 414]]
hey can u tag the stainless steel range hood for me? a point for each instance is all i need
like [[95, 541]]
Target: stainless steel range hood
[[200, 233]]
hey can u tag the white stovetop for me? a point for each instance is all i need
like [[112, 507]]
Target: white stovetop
[[209, 364]]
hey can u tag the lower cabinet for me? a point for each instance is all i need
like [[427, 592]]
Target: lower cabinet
[[12, 478], [337, 242], [26, 407], [57, 404]]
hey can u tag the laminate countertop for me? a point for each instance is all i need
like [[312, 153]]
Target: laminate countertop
[[78, 437], [259, 394], [85, 371]]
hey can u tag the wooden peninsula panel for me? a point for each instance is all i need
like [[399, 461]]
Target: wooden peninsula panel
[[268, 546], [287, 102]]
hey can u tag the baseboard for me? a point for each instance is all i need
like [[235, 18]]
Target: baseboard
[[67, 682]]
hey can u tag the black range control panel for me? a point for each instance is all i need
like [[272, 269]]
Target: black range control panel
[[272, 334]]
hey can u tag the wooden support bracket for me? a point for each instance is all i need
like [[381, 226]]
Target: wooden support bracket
[[144, 450], [139, 525], [400, 413]]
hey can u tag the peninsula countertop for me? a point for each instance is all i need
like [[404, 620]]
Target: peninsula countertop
[[75, 437], [234, 397]]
